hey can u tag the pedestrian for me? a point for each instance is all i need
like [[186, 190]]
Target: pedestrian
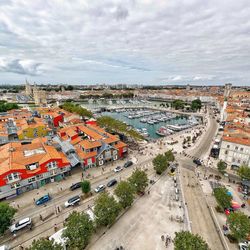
[[21, 247], [41, 218], [58, 208], [55, 227], [148, 191], [162, 237]]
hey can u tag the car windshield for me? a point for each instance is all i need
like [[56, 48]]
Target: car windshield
[[73, 199]]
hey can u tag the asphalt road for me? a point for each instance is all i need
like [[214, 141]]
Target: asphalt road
[[201, 220], [46, 227]]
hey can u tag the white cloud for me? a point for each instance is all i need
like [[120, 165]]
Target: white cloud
[[126, 40]]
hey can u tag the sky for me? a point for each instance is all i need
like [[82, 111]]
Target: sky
[[125, 41]]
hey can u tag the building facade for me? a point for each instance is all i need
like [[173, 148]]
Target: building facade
[[26, 166], [235, 151]]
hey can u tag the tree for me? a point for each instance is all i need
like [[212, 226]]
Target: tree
[[117, 126], [239, 224], [178, 104], [244, 172], [196, 104], [160, 163], [78, 230], [170, 156], [139, 180], [106, 209], [6, 215], [43, 243], [125, 193], [185, 240], [222, 197], [86, 186], [221, 165]]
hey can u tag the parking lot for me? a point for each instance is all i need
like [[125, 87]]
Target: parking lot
[[151, 216]]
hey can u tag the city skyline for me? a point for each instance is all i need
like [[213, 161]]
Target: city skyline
[[130, 42]]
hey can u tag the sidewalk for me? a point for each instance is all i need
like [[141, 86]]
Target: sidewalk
[[24, 200]]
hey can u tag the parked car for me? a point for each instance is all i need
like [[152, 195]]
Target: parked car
[[75, 186], [128, 164], [118, 169], [43, 199], [112, 183], [100, 188], [244, 245], [197, 162], [20, 224], [73, 201]]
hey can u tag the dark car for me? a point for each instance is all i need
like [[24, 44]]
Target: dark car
[[112, 183], [128, 164], [197, 162], [75, 186], [43, 199]]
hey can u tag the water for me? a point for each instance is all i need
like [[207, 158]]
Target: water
[[179, 120]]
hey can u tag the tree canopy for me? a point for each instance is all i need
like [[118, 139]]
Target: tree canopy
[[125, 193], [239, 224], [244, 172], [106, 209], [78, 230], [139, 180], [170, 156], [221, 165], [86, 186], [185, 240], [160, 163], [43, 243], [6, 215], [178, 104], [118, 126], [196, 104], [74, 108], [222, 197], [7, 106]]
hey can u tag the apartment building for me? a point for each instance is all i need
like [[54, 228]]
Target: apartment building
[[235, 150], [93, 145], [28, 165]]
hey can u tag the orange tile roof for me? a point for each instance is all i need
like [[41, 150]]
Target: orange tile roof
[[87, 144], [120, 144], [237, 140], [14, 156], [84, 155]]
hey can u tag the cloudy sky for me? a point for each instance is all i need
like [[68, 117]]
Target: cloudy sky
[[125, 41]]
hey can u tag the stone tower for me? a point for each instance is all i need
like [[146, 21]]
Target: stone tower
[[227, 89], [28, 89]]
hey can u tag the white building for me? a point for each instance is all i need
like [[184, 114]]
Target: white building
[[235, 151]]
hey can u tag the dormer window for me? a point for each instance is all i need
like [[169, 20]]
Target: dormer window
[[32, 166]]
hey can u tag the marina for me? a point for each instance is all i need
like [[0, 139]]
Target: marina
[[151, 123]]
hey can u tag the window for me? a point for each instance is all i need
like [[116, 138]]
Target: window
[[236, 148], [52, 165], [32, 166], [238, 161], [226, 152], [13, 177], [31, 179], [241, 149], [228, 146]]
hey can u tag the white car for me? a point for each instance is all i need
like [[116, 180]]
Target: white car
[[118, 169], [100, 188], [244, 245], [72, 201], [20, 224]]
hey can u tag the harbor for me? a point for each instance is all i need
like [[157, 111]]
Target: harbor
[[151, 123]]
